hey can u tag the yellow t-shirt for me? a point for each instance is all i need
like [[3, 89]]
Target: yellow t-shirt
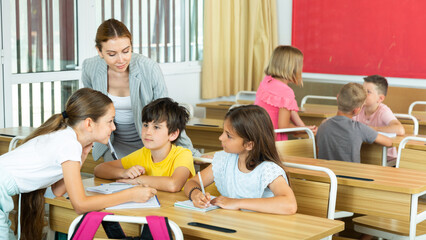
[[177, 157]]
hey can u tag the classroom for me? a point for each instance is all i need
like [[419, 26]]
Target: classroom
[[203, 67]]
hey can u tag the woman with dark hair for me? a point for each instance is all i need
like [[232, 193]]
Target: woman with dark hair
[[131, 81]]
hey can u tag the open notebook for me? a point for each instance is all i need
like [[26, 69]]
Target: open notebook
[[114, 187], [189, 205]]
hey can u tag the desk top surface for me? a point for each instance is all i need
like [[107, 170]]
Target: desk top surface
[[249, 225], [205, 124], [16, 131], [385, 178], [318, 110]]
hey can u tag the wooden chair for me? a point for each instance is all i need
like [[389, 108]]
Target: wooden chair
[[245, 97], [409, 128], [313, 197], [305, 98], [411, 107], [415, 227], [299, 147], [177, 232]]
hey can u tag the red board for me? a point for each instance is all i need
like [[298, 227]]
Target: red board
[[361, 37]]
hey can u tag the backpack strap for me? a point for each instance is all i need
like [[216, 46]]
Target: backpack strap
[[159, 227], [88, 225]]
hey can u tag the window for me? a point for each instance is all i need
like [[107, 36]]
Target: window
[[45, 48], [159, 27]]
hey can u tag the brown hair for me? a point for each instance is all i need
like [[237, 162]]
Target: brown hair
[[351, 96], [253, 124], [380, 82], [286, 63], [165, 109], [84, 103], [111, 29]]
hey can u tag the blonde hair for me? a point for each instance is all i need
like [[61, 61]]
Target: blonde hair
[[351, 96], [286, 63]]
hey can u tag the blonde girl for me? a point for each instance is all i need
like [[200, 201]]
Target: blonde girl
[[52, 156], [274, 94], [248, 173]]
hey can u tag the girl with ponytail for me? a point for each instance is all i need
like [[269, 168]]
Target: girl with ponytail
[[52, 156]]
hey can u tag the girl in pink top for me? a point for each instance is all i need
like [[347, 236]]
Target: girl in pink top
[[274, 94]]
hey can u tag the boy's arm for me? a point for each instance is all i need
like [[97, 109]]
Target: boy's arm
[[383, 140], [115, 170], [394, 126], [173, 183]]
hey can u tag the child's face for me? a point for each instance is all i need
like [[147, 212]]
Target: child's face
[[231, 142], [104, 126], [373, 97], [155, 136]]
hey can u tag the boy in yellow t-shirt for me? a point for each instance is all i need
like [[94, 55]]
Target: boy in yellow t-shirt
[[160, 163]]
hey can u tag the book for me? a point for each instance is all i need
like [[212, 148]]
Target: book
[[151, 203], [390, 135], [109, 188], [189, 205]]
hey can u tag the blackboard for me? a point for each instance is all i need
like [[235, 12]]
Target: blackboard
[[361, 37]]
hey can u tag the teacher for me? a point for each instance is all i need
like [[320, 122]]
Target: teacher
[[131, 81]]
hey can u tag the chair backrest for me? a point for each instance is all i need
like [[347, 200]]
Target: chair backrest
[[305, 98], [177, 232], [410, 108], [297, 147], [314, 197], [14, 142], [245, 97], [372, 154], [409, 128], [409, 157]]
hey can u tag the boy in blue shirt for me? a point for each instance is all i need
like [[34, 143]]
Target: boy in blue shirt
[[340, 137]]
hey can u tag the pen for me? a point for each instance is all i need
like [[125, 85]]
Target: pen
[[114, 155], [201, 183]]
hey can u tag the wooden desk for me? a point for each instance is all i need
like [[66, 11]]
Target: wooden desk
[[314, 114], [6, 135], [249, 225], [421, 117], [389, 195], [203, 136], [217, 109]]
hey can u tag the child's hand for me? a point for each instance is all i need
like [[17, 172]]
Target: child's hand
[[225, 203], [200, 200], [133, 172], [143, 194], [85, 152], [134, 181], [313, 128]]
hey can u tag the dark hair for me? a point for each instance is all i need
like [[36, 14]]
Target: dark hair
[[165, 109], [83, 103], [111, 29], [253, 124], [380, 82]]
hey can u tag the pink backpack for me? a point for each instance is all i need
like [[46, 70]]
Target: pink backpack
[[158, 228]]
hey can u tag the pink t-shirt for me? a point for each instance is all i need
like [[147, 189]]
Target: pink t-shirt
[[272, 95], [381, 117]]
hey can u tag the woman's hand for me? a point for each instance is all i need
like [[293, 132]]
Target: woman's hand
[[226, 203], [200, 200], [133, 172], [143, 194]]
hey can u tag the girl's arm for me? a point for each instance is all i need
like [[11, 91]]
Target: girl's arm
[[295, 118], [394, 126], [173, 183], [284, 201], [193, 186], [284, 118], [82, 203], [115, 170]]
